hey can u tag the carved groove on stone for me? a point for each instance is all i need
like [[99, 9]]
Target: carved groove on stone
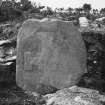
[[27, 60]]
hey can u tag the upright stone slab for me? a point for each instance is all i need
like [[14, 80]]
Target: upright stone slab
[[49, 53]]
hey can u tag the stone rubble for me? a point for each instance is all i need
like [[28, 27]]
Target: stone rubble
[[75, 96]]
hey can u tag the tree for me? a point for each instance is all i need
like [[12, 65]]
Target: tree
[[87, 7], [70, 10], [49, 11], [9, 10], [95, 11], [79, 10], [26, 5], [102, 11]]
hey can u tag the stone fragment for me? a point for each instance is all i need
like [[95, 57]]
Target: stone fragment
[[75, 96]]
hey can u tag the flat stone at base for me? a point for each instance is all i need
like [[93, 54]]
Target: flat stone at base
[[75, 96]]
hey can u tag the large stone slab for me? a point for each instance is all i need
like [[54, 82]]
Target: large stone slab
[[50, 52]]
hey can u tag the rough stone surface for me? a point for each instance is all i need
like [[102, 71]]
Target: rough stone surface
[[75, 96], [50, 52]]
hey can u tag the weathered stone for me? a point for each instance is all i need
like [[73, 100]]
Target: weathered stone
[[75, 96], [49, 53]]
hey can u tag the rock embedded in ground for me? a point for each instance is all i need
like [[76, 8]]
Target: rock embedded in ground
[[75, 96], [50, 55]]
